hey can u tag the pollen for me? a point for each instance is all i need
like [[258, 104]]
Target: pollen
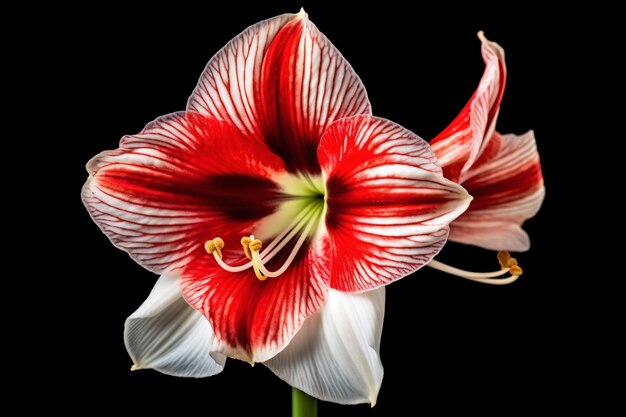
[[503, 258], [256, 245], [245, 242], [214, 245]]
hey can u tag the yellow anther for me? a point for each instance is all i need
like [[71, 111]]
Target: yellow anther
[[245, 242], [209, 246], [503, 258], [214, 246], [506, 261], [256, 245]]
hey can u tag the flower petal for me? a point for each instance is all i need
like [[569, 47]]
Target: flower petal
[[507, 186], [168, 335], [389, 205], [163, 193], [282, 82], [462, 142], [254, 320], [229, 87], [335, 356]]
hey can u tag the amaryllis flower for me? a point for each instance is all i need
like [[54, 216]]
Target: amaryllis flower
[[501, 172], [275, 209]]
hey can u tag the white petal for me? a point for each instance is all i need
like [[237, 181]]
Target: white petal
[[335, 355], [168, 335]]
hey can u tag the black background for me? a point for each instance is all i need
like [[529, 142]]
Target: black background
[[448, 344]]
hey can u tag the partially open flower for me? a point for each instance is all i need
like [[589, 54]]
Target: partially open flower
[[501, 172]]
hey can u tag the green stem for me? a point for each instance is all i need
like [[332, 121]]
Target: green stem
[[302, 405]]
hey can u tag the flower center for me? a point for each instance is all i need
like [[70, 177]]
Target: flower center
[[507, 264], [297, 218]]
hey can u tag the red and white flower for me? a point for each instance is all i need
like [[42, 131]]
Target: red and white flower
[[501, 172], [277, 146]]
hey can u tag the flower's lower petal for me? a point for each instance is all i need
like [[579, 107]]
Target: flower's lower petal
[[160, 196], [462, 142], [335, 355], [389, 205], [507, 186], [254, 320], [168, 335]]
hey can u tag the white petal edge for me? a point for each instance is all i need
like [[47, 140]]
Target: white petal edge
[[168, 335], [335, 355]]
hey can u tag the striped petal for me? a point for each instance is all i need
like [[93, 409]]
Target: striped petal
[[167, 190], [389, 205], [168, 335], [507, 186], [229, 87], [462, 142], [336, 355], [254, 320], [281, 82]]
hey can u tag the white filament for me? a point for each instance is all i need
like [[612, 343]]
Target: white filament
[[482, 277], [277, 244], [273, 274]]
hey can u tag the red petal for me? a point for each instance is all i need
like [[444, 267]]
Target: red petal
[[389, 205], [462, 142], [165, 191], [282, 82], [507, 186], [254, 320]]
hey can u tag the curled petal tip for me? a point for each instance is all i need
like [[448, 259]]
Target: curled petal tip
[[302, 14], [466, 197], [481, 36], [135, 367]]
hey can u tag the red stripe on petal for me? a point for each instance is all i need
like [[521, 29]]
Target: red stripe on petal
[[229, 86], [306, 85], [389, 205], [507, 186], [462, 142], [281, 82], [164, 191]]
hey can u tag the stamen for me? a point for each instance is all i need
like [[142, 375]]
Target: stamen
[[245, 242], [507, 263], [252, 247], [213, 246], [292, 229], [258, 262]]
